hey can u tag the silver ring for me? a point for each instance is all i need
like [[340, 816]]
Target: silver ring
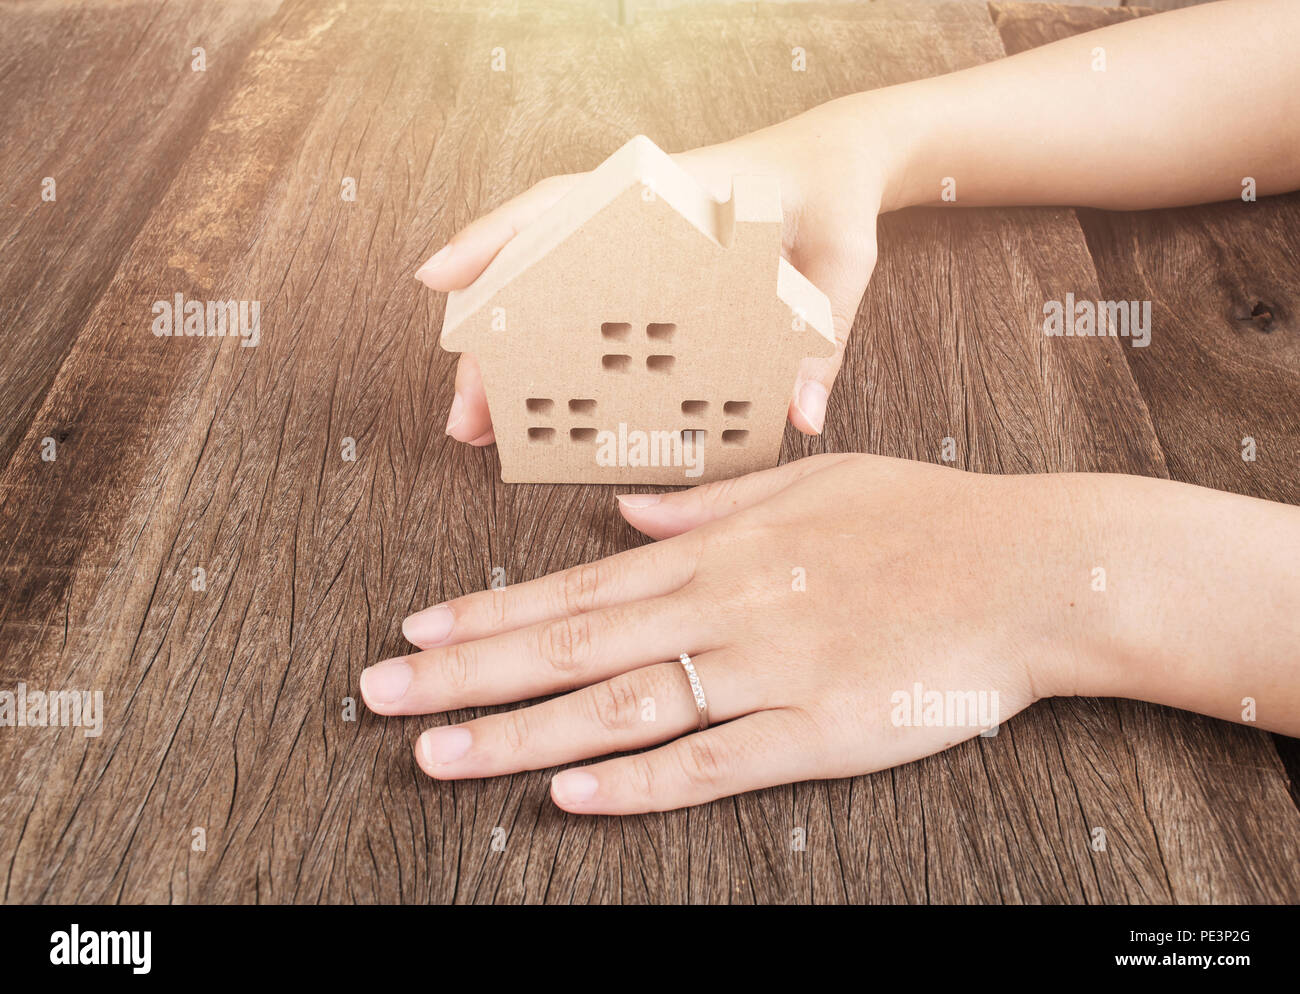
[[701, 705]]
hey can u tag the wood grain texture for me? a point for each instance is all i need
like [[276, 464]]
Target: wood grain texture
[[1224, 360], [58, 63], [224, 706]]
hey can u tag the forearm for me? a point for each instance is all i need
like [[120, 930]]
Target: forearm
[[1188, 104], [1199, 602]]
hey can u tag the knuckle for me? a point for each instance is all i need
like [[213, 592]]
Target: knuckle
[[515, 728], [641, 776], [565, 643], [497, 609], [615, 704], [721, 493], [718, 543], [458, 667], [579, 588], [703, 764]]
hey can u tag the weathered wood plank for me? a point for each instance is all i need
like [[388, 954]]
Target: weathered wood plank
[[1224, 362], [59, 64]]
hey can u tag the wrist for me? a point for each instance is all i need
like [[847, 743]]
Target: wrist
[[891, 127], [1194, 604], [1107, 580], [1085, 578]]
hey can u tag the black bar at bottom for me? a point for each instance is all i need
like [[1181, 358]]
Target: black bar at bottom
[[612, 945]]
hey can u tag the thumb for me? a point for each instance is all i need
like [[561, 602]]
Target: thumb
[[665, 515], [469, 419], [841, 275]]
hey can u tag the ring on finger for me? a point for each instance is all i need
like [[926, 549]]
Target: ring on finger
[[697, 691]]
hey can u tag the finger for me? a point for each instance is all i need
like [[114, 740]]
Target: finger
[[638, 574], [756, 751], [458, 263], [632, 710], [556, 655], [842, 274], [665, 515], [469, 420]]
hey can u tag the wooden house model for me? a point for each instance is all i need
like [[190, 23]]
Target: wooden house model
[[640, 331]]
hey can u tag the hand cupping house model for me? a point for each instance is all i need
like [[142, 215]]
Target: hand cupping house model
[[640, 331]]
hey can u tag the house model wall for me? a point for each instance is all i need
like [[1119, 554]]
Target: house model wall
[[639, 331]]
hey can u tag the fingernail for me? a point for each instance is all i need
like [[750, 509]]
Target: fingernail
[[638, 500], [811, 402], [386, 682], [428, 627], [422, 274], [444, 745], [457, 413], [573, 786]]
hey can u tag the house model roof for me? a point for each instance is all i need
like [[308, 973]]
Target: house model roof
[[640, 162]]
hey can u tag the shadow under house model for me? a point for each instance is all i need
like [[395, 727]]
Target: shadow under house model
[[639, 331]]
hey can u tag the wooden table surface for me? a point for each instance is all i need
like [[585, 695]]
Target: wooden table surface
[[225, 707]]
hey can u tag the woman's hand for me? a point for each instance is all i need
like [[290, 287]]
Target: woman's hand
[[824, 603], [833, 178], [813, 599]]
